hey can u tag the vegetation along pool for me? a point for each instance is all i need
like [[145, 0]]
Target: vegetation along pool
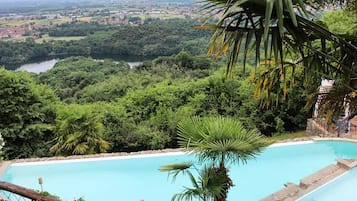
[[138, 178]]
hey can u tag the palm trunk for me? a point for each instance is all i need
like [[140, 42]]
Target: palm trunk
[[222, 171]]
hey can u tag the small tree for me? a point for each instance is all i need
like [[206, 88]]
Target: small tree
[[26, 116], [78, 131], [217, 142]]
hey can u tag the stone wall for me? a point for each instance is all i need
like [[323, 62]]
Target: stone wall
[[314, 128]]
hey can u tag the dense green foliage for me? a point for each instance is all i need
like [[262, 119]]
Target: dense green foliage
[[340, 22], [26, 116], [159, 38], [107, 103], [72, 75], [78, 131], [13, 54], [76, 29]]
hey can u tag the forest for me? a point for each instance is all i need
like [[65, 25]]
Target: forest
[[157, 38], [85, 105]]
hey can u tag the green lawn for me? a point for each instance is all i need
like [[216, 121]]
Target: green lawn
[[287, 136]]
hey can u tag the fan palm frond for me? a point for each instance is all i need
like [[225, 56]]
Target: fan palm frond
[[177, 168], [219, 139], [207, 186], [216, 141], [274, 26], [81, 148]]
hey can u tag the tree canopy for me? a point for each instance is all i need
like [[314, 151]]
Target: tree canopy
[[27, 115], [130, 109]]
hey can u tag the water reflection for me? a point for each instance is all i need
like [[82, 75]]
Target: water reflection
[[46, 65], [38, 67]]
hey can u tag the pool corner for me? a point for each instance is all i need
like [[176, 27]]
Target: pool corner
[[312, 182], [3, 166]]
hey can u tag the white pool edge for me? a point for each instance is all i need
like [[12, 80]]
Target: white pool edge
[[281, 144], [145, 155], [323, 185], [97, 158], [130, 156]]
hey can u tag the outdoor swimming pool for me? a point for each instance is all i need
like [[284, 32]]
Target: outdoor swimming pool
[[136, 179], [343, 188]]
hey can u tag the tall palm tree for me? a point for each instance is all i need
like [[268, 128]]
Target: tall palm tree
[[291, 40], [218, 142]]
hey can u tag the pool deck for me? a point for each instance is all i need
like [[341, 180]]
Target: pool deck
[[292, 192], [310, 183]]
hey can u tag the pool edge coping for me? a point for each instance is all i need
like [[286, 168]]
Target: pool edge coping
[[5, 164], [91, 157], [111, 155], [316, 138], [297, 192], [322, 186]]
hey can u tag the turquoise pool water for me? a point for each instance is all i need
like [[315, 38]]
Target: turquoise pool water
[[138, 179], [343, 188]]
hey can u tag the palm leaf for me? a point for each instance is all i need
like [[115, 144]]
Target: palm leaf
[[177, 168], [81, 148], [213, 137]]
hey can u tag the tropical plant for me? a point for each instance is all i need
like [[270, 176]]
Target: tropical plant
[[340, 22], [291, 40], [78, 132], [207, 186], [270, 24], [217, 142]]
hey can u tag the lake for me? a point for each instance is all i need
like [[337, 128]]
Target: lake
[[39, 66], [44, 66]]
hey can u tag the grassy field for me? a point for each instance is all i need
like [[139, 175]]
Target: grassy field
[[46, 37], [14, 23]]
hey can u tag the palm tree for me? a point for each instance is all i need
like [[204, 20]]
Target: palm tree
[[291, 41], [218, 142], [206, 187], [79, 132], [270, 24]]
